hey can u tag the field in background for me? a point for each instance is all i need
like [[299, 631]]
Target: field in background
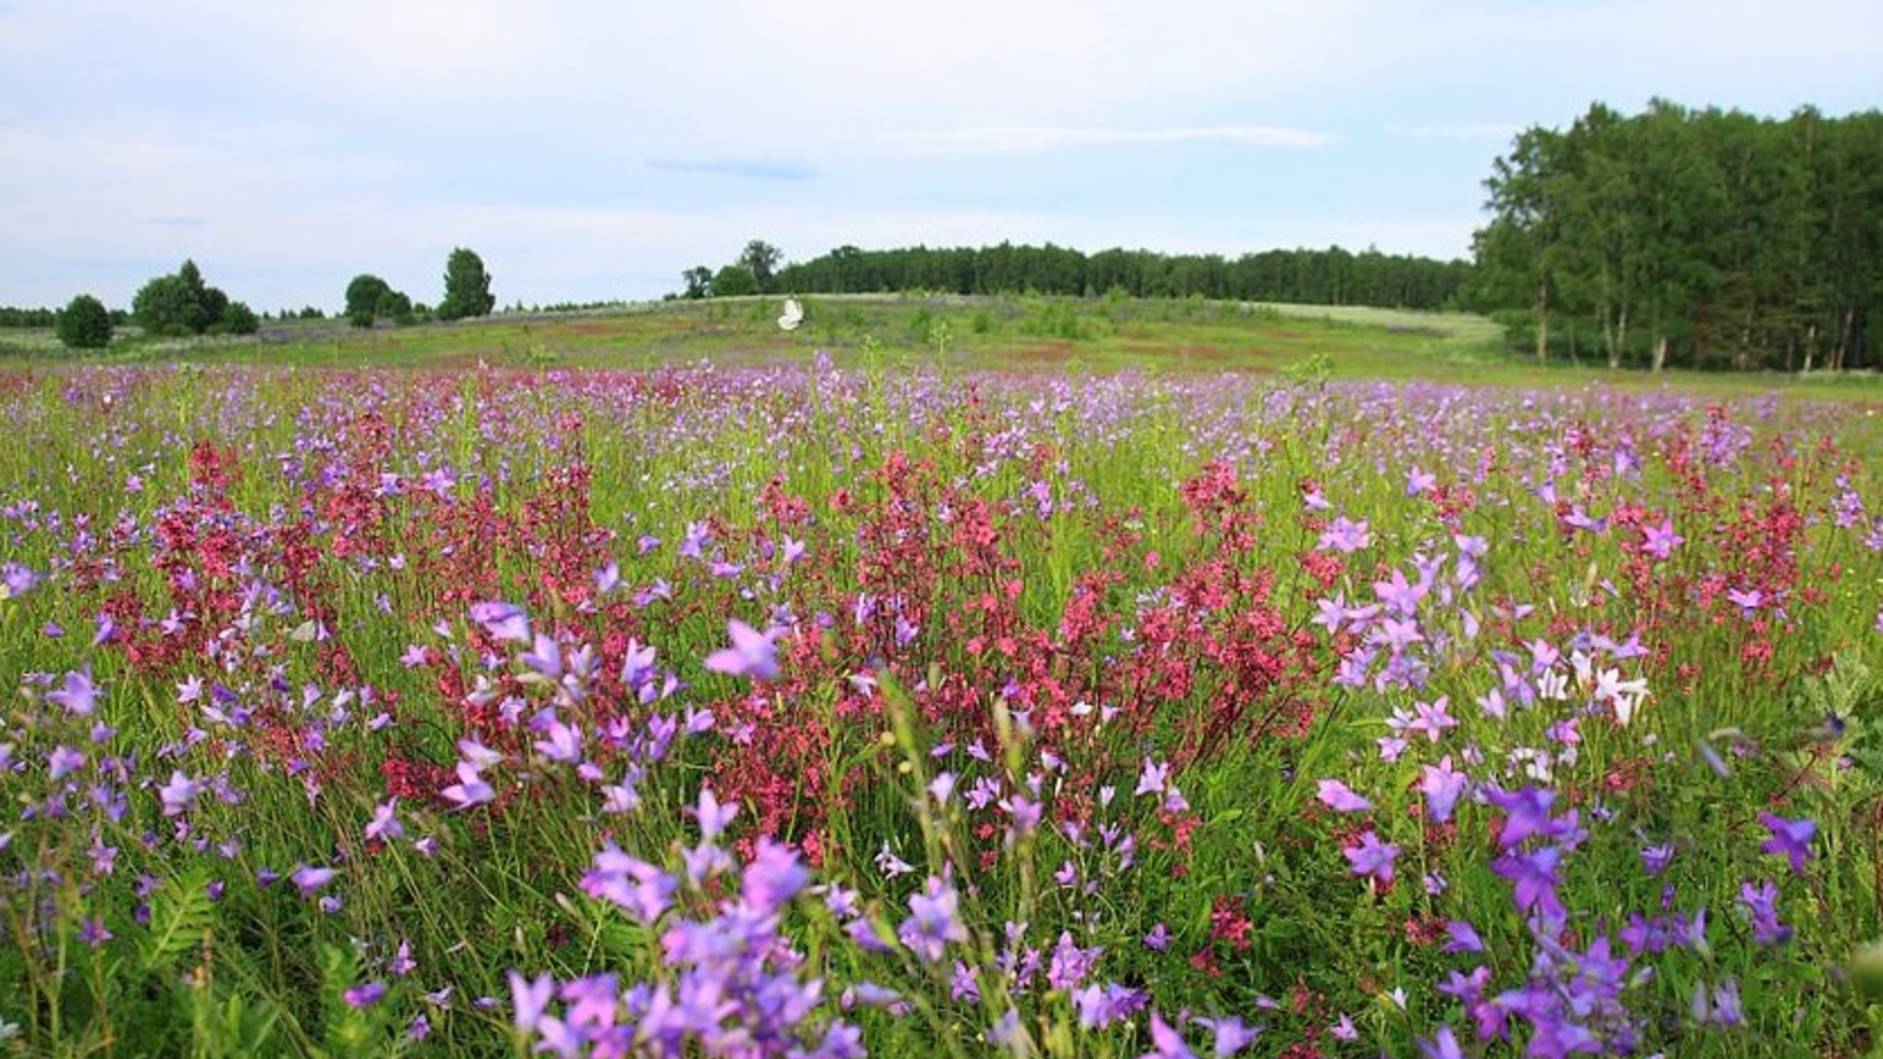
[[979, 333]]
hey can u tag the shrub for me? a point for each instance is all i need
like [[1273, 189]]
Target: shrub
[[238, 319], [85, 323]]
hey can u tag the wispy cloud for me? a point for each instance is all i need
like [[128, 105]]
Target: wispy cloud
[[743, 168], [1488, 130], [1023, 138]]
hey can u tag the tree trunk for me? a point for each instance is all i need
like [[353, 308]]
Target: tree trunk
[[1542, 323], [1621, 340], [1660, 354], [1811, 347]]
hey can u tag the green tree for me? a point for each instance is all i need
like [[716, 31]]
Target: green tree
[[394, 306], [734, 280], [183, 304], [85, 323], [467, 287], [212, 306], [761, 259], [699, 282], [364, 294], [1331, 275], [166, 307], [1700, 238], [238, 319], [204, 308]]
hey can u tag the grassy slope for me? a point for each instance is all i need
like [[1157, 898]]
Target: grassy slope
[[1003, 333]]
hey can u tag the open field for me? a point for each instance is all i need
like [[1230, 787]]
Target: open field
[[799, 709], [946, 333]]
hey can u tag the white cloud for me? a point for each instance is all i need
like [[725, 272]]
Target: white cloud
[[997, 138]]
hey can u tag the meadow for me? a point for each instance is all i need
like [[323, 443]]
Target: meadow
[[1028, 678], [945, 333]]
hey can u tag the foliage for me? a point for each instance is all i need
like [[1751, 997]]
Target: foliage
[[467, 287], [1330, 277], [182, 303], [699, 282], [369, 299], [761, 259], [733, 281], [166, 307], [1701, 238], [238, 319], [85, 323], [363, 297], [11, 316]]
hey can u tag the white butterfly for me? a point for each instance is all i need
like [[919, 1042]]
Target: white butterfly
[[793, 315]]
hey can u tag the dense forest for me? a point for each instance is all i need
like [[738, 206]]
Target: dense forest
[[1329, 277], [1693, 238]]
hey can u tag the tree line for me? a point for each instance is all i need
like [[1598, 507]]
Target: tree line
[[1333, 276], [1689, 238], [370, 299], [182, 303]]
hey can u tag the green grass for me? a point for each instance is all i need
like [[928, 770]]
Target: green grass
[[994, 333]]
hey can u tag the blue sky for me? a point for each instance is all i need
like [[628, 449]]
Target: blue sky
[[592, 150]]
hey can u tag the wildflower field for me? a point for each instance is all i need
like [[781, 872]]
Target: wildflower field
[[809, 710]]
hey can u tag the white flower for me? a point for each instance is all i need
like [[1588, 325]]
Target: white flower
[[1627, 695]]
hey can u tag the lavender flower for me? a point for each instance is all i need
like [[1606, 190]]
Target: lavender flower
[[933, 922], [504, 622], [78, 695], [311, 881], [753, 654], [179, 794], [1341, 798], [1790, 839], [1442, 786], [1372, 858]]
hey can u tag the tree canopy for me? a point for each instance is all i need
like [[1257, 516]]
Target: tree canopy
[[370, 298], [761, 259], [1329, 277], [699, 282], [181, 303], [467, 287], [85, 323], [1698, 238], [732, 281]]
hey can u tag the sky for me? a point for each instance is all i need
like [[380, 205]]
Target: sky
[[593, 150]]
